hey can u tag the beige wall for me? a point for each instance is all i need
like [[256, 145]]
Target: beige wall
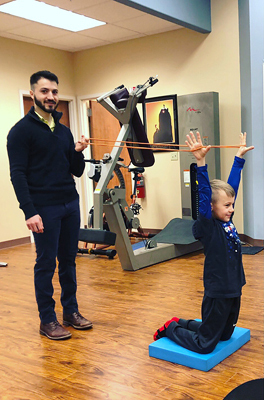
[[185, 62]]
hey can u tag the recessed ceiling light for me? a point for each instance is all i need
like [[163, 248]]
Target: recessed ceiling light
[[38, 11]]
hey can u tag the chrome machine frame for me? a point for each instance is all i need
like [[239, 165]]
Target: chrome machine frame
[[131, 260]]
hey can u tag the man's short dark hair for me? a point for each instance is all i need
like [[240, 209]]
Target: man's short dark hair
[[43, 74]]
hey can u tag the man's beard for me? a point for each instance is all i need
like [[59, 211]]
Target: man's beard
[[42, 106]]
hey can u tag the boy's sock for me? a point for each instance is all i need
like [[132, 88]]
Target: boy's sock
[[161, 332]]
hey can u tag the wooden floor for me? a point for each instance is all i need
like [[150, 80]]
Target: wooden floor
[[111, 361]]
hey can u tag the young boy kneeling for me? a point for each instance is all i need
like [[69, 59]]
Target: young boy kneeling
[[223, 269]]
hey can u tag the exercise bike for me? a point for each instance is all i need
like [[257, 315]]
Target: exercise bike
[[131, 221]]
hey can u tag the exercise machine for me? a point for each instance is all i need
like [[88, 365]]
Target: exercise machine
[[111, 202], [135, 207]]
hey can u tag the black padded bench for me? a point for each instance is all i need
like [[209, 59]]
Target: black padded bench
[[97, 236]]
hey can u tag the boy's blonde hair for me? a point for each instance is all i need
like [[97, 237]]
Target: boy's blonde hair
[[217, 185]]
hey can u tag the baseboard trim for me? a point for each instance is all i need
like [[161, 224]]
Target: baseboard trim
[[242, 236], [15, 242], [251, 241], [152, 231]]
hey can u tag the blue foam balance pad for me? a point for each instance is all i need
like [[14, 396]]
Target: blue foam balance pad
[[166, 349]]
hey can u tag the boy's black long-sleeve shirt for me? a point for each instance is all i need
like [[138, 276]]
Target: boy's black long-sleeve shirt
[[42, 163], [223, 269]]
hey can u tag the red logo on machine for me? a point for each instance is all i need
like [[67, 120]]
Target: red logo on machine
[[193, 109]]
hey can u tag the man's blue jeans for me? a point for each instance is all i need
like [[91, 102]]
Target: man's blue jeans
[[59, 240]]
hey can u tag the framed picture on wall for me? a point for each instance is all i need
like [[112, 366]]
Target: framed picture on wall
[[161, 120]]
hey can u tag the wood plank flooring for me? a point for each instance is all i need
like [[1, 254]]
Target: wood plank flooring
[[111, 361]]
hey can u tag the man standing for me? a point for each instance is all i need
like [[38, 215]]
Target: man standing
[[43, 159]]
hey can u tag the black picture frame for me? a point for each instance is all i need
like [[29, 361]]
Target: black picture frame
[[161, 126]]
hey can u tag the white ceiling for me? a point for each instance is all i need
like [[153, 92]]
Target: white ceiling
[[122, 23]]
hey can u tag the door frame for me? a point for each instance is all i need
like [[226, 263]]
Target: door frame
[[85, 130]]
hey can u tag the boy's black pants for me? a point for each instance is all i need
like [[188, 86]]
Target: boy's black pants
[[219, 317]]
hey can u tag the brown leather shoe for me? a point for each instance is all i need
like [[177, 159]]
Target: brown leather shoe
[[54, 330], [77, 321]]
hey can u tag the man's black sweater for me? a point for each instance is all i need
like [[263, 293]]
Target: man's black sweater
[[42, 163]]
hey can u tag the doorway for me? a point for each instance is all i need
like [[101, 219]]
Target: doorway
[[104, 125], [62, 107]]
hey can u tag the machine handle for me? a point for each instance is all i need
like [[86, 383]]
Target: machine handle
[[108, 94]]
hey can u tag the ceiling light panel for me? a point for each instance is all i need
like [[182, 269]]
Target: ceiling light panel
[[38, 11]]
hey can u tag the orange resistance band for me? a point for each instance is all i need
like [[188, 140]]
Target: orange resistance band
[[163, 146]]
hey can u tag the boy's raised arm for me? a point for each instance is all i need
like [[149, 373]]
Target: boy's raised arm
[[196, 146], [235, 173]]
